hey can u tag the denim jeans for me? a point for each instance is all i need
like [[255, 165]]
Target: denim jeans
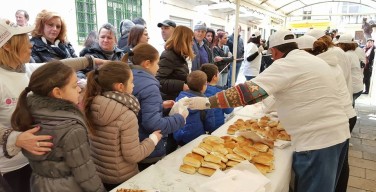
[[223, 79], [238, 65], [249, 77], [318, 170]]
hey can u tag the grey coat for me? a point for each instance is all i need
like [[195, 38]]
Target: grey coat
[[68, 167]]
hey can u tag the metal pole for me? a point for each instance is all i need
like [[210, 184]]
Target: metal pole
[[235, 45]]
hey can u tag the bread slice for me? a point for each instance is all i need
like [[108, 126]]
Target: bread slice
[[187, 169], [191, 161], [206, 171]]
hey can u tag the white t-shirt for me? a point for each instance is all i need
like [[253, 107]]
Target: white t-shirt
[[361, 54], [345, 64], [11, 85], [343, 92], [356, 72], [307, 105], [251, 68]]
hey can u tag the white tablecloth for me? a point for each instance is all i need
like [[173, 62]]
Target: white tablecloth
[[166, 177]]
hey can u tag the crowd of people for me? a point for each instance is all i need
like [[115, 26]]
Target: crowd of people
[[61, 135]]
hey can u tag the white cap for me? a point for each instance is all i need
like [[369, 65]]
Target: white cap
[[316, 33], [7, 31], [255, 34], [278, 38], [345, 38], [305, 42]]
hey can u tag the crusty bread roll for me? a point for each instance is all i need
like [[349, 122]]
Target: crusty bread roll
[[261, 147], [231, 144], [245, 143], [239, 139], [187, 169], [210, 165], [212, 158], [221, 149], [265, 159], [280, 127], [206, 171], [220, 155], [208, 148], [272, 123], [266, 118], [235, 157], [264, 169], [227, 138], [232, 163], [199, 151], [223, 166], [231, 130], [230, 151], [283, 136], [191, 161], [251, 150], [242, 152], [213, 138], [196, 156], [262, 123]]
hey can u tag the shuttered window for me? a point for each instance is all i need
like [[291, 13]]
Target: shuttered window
[[86, 14]]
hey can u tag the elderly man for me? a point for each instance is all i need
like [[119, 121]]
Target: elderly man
[[200, 47], [22, 17], [308, 108]]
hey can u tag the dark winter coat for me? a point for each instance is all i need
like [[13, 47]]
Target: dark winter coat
[[172, 74], [219, 114], [198, 122], [42, 52], [150, 117], [224, 53], [68, 167], [196, 64]]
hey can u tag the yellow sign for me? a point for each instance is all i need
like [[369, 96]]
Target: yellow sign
[[316, 25]]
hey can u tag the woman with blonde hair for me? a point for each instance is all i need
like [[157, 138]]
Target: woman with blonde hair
[[174, 68], [49, 38]]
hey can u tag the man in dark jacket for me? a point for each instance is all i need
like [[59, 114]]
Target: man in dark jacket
[[200, 47], [367, 72], [239, 54]]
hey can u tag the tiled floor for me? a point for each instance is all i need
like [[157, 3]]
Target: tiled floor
[[362, 154]]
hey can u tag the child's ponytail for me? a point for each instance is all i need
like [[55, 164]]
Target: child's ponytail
[[21, 119]]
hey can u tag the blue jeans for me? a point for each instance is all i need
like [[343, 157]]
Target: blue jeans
[[223, 79], [249, 77], [318, 170]]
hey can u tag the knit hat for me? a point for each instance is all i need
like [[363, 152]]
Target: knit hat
[[280, 37], [316, 33], [200, 26], [305, 42], [125, 26], [8, 30]]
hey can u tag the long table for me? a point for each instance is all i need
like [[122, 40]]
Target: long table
[[166, 177]]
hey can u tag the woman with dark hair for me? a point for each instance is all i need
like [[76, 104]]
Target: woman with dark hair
[[222, 57], [138, 34], [173, 69], [210, 37]]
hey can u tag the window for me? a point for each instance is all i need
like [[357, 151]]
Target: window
[[215, 27], [182, 21], [307, 15], [86, 18], [117, 10]]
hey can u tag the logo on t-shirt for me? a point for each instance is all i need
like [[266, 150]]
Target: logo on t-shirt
[[10, 101]]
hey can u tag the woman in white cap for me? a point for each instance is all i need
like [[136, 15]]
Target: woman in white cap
[[320, 49], [252, 61], [15, 49], [307, 106]]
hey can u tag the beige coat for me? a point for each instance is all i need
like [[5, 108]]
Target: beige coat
[[115, 147]]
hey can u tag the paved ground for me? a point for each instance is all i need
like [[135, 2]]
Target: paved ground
[[362, 154]]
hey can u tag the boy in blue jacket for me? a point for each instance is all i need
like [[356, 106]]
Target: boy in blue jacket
[[198, 122], [211, 72]]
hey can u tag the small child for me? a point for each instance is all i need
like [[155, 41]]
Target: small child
[[146, 88], [53, 106], [211, 72], [198, 122], [112, 111]]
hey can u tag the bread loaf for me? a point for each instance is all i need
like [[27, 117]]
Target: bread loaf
[[212, 138], [220, 149], [210, 165], [199, 151], [262, 168], [196, 156], [206, 147], [251, 150], [232, 163], [261, 147], [265, 159], [212, 158], [187, 169], [235, 157], [191, 161], [206, 171], [242, 152], [220, 155]]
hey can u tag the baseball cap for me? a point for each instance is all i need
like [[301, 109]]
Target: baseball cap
[[305, 42], [8, 30], [256, 34], [316, 33], [167, 23], [281, 37], [345, 38]]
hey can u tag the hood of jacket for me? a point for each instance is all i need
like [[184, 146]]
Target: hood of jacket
[[329, 57], [142, 79]]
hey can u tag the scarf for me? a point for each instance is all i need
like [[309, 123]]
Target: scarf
[[127, 99]]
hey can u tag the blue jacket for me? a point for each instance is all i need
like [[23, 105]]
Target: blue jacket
[[150, 117], [219, 114], [198, 122]]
